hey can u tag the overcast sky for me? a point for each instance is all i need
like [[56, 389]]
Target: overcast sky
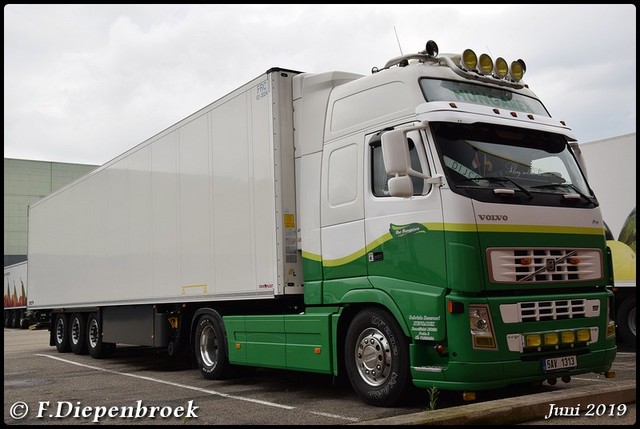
[[84, 83]]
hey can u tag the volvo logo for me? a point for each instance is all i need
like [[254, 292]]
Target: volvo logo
[[551, 265], [494, 217]]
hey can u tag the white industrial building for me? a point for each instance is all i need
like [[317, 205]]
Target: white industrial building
[[26, 181]]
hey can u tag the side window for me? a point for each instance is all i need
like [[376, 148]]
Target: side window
[[380, 178]]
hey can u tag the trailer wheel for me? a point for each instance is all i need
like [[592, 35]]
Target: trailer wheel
[[15, 321], [626, 321], [15, 318], [376, 358], [96, 347], [61, 333], [211, 348], [23, 322], [77, 335]]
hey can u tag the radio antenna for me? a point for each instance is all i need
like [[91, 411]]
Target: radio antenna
[[398, 39]]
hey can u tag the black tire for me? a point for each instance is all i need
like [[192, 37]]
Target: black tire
[[61, 333], [23, 320], [626, 320], [96, 347], [77, 334], [210, 348], [376, 357], [14, 319]]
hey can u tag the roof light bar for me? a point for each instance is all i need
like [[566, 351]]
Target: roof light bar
[[499, 69]]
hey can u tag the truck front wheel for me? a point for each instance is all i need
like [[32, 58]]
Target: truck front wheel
[[626, 321], [97, 348], [61, 333], [376, 358], [211, 348]]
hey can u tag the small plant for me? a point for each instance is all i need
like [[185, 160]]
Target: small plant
[[433, 398]]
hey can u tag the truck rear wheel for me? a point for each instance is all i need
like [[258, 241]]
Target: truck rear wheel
[[626, 321], [376, 358], [211, 348], [97, 348], [61, 333], [77, 335]]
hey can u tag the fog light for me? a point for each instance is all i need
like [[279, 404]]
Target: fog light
[[532, 340], [551, 339], [480, 341], [583, 335], [568, 337]]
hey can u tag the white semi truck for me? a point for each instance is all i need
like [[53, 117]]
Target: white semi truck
[[426, 225]]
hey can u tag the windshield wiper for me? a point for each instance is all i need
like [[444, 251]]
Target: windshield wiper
[[498, 179], [566, 185]]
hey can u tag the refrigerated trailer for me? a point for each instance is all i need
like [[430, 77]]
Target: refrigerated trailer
[[617, 154], [15, 298], [426, 225]]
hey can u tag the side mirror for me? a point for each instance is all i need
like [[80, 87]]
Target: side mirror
[[401, 186], [395, 152]]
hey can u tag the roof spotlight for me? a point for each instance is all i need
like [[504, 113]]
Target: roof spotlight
[[469, 59], [502, 68], [516, 71], [485, 64]]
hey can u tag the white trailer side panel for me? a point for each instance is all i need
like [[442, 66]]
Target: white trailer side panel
[[202, 211], [611, 171]]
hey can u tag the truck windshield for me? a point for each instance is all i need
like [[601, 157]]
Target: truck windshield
[[481, 157]]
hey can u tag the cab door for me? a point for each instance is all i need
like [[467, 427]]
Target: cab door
[[404, 236]]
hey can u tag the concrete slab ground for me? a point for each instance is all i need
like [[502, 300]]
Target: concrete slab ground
[[534, 408]]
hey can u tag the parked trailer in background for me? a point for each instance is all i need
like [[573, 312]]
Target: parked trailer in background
[[15, 296], [423, 226], [612, 162]]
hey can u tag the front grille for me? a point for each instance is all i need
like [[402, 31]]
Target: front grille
[[544, 265], [552, 310], [535, 311]]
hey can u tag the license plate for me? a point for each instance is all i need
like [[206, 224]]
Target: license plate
[[563, 362]]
